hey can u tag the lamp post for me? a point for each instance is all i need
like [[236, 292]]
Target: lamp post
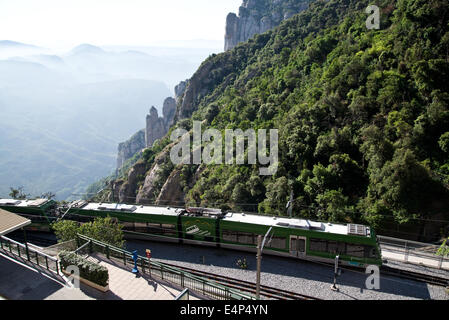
[[289, 206], [260, 246]]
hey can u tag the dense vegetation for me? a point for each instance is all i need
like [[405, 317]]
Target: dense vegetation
[[362, 114]]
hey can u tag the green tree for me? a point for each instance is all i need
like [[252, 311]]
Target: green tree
[[102, 229], [18, 193], [65, 230], [444, 249], [444, 142]]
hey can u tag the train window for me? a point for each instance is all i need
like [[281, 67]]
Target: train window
[[229, 235], [318, 245], [278, 243], [155, 228], [336, 247], [246, 238], [140, 226], [169, 229], [355, 251], [128, 226]]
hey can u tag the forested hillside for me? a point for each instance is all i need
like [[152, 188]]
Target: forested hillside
[[362, 114]]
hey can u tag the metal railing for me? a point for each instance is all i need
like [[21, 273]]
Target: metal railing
[[412, 252], [32, 255], [170, 274], [185, 295]]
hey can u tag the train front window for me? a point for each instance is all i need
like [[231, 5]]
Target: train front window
[[370, 252]]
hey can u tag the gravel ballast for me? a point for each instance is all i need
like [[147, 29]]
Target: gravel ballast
[[290, 274]]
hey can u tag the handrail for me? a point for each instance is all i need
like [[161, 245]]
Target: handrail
[[163, 267], [29, 248]]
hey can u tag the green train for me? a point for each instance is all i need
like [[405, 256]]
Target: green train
[[316, 241], [41, 212], [302, 239]]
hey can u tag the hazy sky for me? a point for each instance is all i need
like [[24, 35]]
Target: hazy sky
[[66, 23]]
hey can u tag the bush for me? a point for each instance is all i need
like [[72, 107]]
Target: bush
[[88, 270]]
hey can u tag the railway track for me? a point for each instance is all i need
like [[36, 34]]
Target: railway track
[[246, 286], [416, 276]]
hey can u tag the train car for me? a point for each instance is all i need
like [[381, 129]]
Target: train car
[[302, 239], [140, 222], [37, 210]]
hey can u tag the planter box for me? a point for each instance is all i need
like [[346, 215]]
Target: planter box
[[87, 282]]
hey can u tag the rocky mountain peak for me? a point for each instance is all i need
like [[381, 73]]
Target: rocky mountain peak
[[257, 17]]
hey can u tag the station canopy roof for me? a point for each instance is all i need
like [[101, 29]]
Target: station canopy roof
[[10, 222]]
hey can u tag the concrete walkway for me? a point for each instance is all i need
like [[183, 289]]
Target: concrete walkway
[[20, 280], [127, 286]]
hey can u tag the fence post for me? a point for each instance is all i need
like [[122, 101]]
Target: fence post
[[37, 258], [91, 249], [142, 263], [46, 262], [440, 265], [124, 258], [18, 251], [406, 251], [204, 287], [107, 252], [162, 272], [182, 279]]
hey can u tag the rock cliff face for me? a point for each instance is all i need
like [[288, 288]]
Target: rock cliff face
[[158, 127], [127, 191], [148, 193], [180, 89], [127, 149], [196, 87], [172, 192], [259, 16]]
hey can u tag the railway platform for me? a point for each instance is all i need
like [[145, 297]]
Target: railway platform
[[22, 280]]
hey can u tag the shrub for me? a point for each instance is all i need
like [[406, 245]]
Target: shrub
[[88, 270]]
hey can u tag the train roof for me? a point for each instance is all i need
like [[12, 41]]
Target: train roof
[[139, 209], [349, 229], [23, 203]]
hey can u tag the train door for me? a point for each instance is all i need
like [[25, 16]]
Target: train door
[[297, 246]]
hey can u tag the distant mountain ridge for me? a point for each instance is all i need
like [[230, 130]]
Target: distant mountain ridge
[[14, 44]]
